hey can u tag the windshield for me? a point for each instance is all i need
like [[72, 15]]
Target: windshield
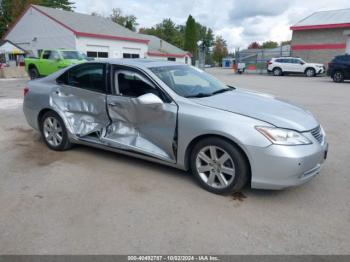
[[73, 55], [188, 81]]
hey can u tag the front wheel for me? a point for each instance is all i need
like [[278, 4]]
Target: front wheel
[[54, 132], [338, 77], [310, 72], [219, 166]]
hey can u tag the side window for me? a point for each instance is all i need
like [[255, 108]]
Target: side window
[[132, 84], [54, 55], [87, 76], [46, 54], [284, 60]]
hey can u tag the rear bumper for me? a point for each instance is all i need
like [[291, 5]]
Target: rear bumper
[[277, 167]]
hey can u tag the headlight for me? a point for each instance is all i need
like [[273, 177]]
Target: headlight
[[280, 136]]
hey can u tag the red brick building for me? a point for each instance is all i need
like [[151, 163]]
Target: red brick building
[[322, 35]]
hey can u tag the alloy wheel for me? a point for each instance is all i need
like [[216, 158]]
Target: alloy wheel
[[215, 167], [310, 73], [338, 77], [277, 72], [53, 131]]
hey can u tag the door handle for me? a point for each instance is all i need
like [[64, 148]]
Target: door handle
[[115, 104], [57, 92]]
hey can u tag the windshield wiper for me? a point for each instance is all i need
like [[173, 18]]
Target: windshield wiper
[[221, 91], [199, 95]]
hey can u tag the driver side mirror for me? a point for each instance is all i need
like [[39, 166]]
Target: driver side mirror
[[149, 99]]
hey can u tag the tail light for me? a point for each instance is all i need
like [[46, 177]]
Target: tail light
[[269, 62], [25, 91]]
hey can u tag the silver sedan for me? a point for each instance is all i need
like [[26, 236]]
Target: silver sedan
[[180, 116]]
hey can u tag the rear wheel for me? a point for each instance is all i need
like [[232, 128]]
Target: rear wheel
[[277, 71], [33, 73], [310, 72], [54, 132], [219, 166], [338, 77]]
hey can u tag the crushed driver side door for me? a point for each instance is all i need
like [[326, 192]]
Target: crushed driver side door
[[143, 118]]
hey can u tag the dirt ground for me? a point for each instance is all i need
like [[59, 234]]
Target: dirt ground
[[88, 201]]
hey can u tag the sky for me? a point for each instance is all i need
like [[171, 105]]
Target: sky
[[240, 22]]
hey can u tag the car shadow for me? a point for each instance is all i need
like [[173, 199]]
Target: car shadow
[[186, 176], [134, 161]]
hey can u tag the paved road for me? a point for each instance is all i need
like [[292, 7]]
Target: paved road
[[90, 201]]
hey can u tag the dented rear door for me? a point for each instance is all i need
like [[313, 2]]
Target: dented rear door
[[80, 97]]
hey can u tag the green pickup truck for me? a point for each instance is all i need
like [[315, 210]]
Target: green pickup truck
[[52, 60]]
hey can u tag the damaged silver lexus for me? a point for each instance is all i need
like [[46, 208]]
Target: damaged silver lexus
[[180, 116]]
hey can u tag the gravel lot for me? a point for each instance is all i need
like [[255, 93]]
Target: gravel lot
[[90, 201]]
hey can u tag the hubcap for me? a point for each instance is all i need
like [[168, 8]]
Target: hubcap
[[337, 76], [53, 131], [277, 72], [215, 167], [310, 72]]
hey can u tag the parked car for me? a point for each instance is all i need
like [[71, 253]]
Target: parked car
[[180, 116], [339, 68], [293, 65], [51, 61]]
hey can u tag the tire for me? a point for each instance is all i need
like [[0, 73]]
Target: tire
[[33, 73], [310, 72], [215, 175], [338, 77], [56, 131], [277, 71]]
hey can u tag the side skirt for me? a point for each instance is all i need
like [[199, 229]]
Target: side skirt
[[128, 153]]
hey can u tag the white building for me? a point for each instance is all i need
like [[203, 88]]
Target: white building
[[47, 28], [11, 54]]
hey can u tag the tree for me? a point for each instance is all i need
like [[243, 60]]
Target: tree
[[254, 45], [269, 44], [5, 16], [59, 4], [205, 34], [287, 42], [191, 36], [220, 49], [10, 10], [128, 21], [168, 31]]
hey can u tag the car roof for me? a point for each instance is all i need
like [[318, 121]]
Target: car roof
[[286, 57], [139, 62]]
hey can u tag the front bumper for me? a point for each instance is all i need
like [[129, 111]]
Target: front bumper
[[277, 167], [320, 70]]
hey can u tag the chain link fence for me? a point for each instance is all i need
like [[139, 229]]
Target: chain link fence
[[255, 60]]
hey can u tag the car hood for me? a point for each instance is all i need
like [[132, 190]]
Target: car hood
[[263, 107]]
